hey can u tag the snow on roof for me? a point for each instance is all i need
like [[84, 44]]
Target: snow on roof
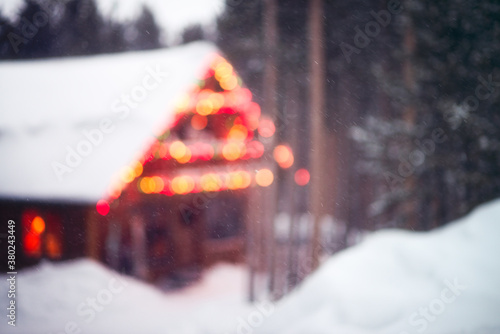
[[102, 108]]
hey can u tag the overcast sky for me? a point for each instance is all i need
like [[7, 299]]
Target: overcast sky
[[172, 15]]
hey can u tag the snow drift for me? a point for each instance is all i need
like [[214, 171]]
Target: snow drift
[[443, 281], [85, 297]]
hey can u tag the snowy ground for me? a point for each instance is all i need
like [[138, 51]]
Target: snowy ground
[[85, 297], [445, 281]]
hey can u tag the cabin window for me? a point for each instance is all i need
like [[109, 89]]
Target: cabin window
[[41, 235]]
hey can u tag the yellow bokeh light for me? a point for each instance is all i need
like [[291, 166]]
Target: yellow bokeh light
[[239, 180], [182, 184], [204, 107], [229, 83], [217, 100], [246, 180], [127, 174], [264, 177], [210, 182], [186, 157], [238, 132], [177, 150], [231, 151], [223, 70]]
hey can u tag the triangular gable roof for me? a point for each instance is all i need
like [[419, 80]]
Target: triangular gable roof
[[45, 107]]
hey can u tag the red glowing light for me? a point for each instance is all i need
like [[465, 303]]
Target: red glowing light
[[266, 127], [31, 244], [302, 177], [102, 207]]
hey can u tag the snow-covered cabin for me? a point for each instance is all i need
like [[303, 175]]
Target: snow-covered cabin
[[143, 160]]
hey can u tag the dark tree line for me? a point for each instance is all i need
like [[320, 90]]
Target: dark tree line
[[412, 96], [58, 28]]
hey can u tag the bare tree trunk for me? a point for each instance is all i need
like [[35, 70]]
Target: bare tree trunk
[[410, 114], [316, 93], [269, 107]]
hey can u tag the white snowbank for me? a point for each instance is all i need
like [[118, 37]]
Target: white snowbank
[[445, 281], [53, 296], [399, 282]]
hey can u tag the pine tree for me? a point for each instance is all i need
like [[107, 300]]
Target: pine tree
[[192, 33]]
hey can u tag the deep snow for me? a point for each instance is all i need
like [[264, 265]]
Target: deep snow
[[443, 281], [397, 282]]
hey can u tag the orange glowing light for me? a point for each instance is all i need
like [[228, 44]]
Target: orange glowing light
[[37, 225], [53, 246], [157, 184], [182, 184], [210, 182], [302, 177], [204, 107], [246, 180], [283, 156], [264, 177], [238, 132], [162, 151], [146, 185], [235, 181], [231, 151], [138, 169], [102, 207], [199, 122], [266, 127]]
